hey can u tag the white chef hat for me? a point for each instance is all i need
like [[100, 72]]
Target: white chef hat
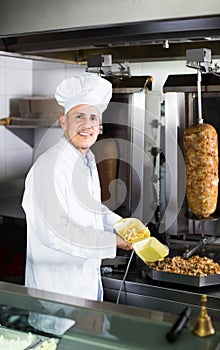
[[84, 89]]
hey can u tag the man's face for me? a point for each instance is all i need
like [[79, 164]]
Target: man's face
[[81, 126]]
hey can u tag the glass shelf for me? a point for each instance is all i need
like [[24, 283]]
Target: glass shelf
[[76, 323]]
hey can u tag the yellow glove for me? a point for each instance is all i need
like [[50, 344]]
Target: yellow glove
[[131, 229]]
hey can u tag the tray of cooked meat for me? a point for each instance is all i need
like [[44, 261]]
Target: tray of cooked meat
[[195, 271]]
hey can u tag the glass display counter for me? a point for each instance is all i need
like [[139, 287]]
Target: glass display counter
[[40, 320]]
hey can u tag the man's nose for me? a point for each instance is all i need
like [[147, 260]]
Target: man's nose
[[87, 125]]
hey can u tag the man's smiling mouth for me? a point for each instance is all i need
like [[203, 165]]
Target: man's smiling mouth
[[83, 133]]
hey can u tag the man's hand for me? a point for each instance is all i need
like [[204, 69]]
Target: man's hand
[[122, 244]]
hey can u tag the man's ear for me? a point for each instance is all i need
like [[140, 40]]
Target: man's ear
[[63, 122]]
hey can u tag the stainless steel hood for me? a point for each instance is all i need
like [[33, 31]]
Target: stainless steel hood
[[69, 32]]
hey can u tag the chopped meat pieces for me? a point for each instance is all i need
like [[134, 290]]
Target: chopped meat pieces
[[194, 266]]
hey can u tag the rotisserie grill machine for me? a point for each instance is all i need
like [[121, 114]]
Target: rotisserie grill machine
[[189, 99]]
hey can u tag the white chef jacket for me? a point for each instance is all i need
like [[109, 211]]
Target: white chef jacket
[[69, 231]]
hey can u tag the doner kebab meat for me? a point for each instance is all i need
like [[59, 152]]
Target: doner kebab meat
[[201, 159]]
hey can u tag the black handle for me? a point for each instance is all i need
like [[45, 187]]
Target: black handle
[[179, 325]]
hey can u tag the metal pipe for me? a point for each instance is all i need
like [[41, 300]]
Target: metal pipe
[[199, 79], [203, 231], [125, 275]]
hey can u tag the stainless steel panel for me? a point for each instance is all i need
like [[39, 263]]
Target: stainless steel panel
[[175, 166]]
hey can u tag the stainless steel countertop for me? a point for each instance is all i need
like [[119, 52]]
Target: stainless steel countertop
[[146, 293]]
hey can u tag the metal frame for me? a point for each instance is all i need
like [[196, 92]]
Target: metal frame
[[180, 113]]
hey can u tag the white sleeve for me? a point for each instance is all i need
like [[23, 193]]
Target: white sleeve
[[47, 218], [109, 218]]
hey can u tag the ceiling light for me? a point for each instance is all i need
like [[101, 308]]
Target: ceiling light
[[166, 44]]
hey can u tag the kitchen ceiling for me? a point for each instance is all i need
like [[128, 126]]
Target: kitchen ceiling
[[140, 41]]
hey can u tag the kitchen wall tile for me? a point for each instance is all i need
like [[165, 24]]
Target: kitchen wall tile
[[45, 65], [2, 61], [18, 162], [45, 82], [18, 82], [159, 71], [2, 80], [19, 63], [7, 105], [137, 69], [2, 139], [3, 107], [74, 70]]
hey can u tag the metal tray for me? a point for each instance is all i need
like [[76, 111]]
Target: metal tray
[[197, 281]]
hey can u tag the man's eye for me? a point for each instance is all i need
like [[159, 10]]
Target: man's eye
[[94, 119], [79, 116]]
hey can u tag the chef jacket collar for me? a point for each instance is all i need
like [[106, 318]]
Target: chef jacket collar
[[88, 159]]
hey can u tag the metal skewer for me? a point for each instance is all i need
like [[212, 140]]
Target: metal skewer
[[199, 89]]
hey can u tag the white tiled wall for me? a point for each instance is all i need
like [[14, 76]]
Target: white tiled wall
[[15, 80], [47, 75], [160, 71], [21, 77]]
